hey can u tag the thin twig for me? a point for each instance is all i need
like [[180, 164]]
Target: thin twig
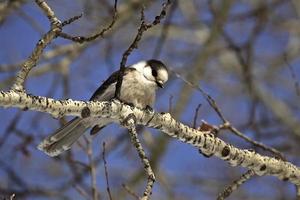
[[130, 123], [81, 191], [170, 103], [31, 21], [40, 46], [132, 193], [208, 98], [11, 127], [226, 123], [106, 172], [293, 74], [47, 11], [92, 170], [235, 185], [81, 39], [71, 20], [134, 45], [255, 143], [196, 116], [249, 80], [164, 32]]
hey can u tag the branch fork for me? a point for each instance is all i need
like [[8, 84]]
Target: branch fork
[[130, 123]]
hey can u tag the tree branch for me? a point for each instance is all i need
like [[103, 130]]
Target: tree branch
[[81, 39], [235, 185], [106, 172], [40, 46], [130, 124], [205, 141]]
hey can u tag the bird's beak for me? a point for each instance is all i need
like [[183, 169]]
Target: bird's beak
[[159, 84]]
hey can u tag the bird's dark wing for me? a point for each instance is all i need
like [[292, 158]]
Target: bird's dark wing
[[99, 93], [110, 81]]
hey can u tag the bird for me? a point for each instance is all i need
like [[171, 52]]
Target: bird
[[140, 83]]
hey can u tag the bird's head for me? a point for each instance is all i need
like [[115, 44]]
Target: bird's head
[[154, 71]]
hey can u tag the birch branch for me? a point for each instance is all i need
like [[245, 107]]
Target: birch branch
[[205, 141], [40, 46], [235, 185], [130, 124]]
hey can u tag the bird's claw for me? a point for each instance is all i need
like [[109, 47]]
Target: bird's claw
[[129, 104], [149, 109], [121, 101], [117, 100]]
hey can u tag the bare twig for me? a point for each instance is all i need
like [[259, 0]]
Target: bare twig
[[255, 143], [164, 31], [71, 20], [47, 11], [134, 45], [235, 185], [81, 191], [293, 74], [170, 103], [92, 169], [106, 172], [226, 123], [249, 81], [8, 7], [40, 46], [130, 123], [12, 174], [31, 21], [11, 127], [81, 39], [196, 116], [208, 98], [132, 193]]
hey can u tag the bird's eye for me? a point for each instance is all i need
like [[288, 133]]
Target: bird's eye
[[154, 73]]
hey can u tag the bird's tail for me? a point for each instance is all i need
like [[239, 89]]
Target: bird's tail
[[63, 138]]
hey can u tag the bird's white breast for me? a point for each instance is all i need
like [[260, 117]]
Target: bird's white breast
[[136, 89]]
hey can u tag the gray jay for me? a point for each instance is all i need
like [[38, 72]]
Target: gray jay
[[139, 85]]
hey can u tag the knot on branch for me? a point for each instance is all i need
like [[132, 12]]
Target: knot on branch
[[56, 26], [86, 112], [129, 121], [18, 88]]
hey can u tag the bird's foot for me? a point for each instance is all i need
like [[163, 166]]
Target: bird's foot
[[129, 104], [123, 102], [117, 100], [149, 109]]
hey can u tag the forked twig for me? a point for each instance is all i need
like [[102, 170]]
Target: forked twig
[[132, 193], [81, 39], [235, 185], [130, 124], [40, 46], [226, 124], [134, 45]]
